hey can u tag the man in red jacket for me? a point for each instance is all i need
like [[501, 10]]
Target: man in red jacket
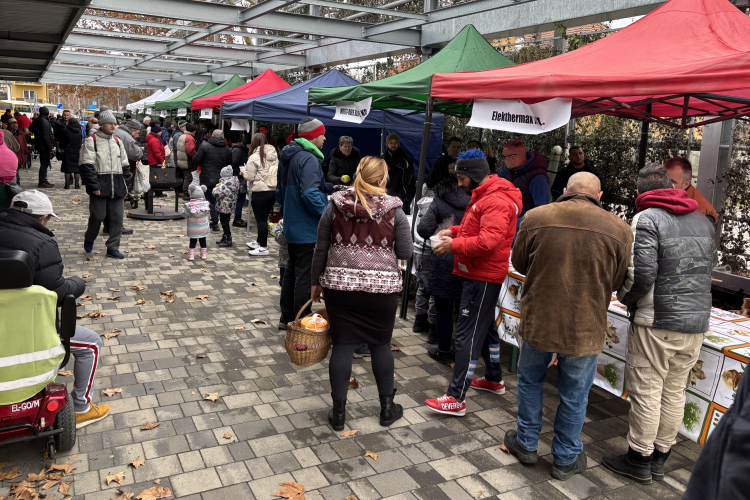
[[481, 252], [155, 147]]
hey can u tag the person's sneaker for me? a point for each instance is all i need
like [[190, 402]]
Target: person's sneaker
[[441, 356], [447, 405], [239, 222], [482, 384], [252, 245], [95, 413], [45, 184], [363, 351], [126, 230], [215, 228], [88, 246], [510, 441], [115, 254], [565, 472], [258, 251]]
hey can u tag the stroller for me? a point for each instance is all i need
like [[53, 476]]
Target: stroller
[[32, 405]]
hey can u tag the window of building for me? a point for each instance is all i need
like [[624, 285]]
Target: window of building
[[29, 95]]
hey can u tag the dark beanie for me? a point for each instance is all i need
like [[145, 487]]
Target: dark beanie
[[473, 164], [190, 127], [155, 129], [43, 111]]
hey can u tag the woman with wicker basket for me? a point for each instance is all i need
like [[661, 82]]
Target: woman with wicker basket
[[360, 237]]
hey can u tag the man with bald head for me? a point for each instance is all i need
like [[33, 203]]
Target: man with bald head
[[574, 255]]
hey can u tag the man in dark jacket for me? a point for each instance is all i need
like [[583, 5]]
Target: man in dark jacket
[[211, 157], [668, 296], [24, 227], [574, 255], [240, 153], [401, 179], [344, 162], [439, 169], [578, 163], [104, 167], [301, 192], [527, 170], [45, 145]]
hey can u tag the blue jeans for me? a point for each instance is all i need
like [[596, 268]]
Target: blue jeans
[[575, 374]]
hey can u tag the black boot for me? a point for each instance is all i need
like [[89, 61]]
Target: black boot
[[432, 335], [657, 464], [632, 464], [222, 240], [441, 356], [337, 416], [227, 241], [389, 411], [420, 324]]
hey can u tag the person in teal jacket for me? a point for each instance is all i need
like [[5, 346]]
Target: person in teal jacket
[[301, 192]]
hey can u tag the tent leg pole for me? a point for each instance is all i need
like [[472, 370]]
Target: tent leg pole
[[417, 196], [382, 130], [308, 109], [643, 146]]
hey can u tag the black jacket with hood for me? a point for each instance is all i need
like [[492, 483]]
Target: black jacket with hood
[[42, 130], [447, 209], [341, 165], [212, 156], [20, 231], [401, 179]]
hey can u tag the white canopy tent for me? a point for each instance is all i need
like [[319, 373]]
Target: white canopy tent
[[159, 95]]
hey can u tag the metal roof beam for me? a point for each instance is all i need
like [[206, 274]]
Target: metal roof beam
[[19, 36], [140, 22], [369, 10], [22, 54], [194, 67]]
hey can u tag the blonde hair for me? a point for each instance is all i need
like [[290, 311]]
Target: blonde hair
[[370, 173]]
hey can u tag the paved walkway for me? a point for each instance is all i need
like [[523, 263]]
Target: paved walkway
[[269, 424]]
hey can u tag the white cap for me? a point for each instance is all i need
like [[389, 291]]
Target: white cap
[[36, 201]]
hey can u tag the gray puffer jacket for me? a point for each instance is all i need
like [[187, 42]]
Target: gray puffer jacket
[[668, 285]]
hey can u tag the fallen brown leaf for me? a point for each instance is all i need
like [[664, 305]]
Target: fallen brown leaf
[[351, 497], [148, 425], [23, 490], [394, 347], [140, 302], [64, 487], [151, 247], [123, 496], [96, 314], [201, 297], [201, 356], [116, 297], [372, 455], [128, 251], [109, 335], [502, 447], [154, 493], [117, 477], [51, 483], [349, 433], [86, 298], [259, 321], [65, 468], [137, 287], [192, 393], [273, 276], [168, 296], [452, 364], [157, 481], [227, 436], [37, 477], [87, 275], [137, 462], [116, 330], [353, 383], [171, 255], [239, 327], [76, 201], [79, 316], [211, 396], [93, 258], [113, 289], [254, 284], [291, 490], [65, 373], [112, 392]]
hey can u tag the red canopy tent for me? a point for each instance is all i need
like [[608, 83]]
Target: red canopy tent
[[263, 84], [686, 58]]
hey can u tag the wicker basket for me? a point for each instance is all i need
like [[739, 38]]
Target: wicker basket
[[304, 346]]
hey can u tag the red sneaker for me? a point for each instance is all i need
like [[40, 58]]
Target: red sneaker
[[446, 405], [483, 384]]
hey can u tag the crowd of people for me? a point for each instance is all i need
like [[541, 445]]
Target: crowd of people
[[345, 230]]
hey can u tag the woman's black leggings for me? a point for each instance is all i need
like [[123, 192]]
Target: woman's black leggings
[[262, 203], [340, 368]]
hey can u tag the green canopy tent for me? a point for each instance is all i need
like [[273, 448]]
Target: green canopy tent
[[186, 90], [185, 99], [230, 84], [468, 51]]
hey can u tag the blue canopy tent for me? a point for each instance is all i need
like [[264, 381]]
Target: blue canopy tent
[[290, 106]]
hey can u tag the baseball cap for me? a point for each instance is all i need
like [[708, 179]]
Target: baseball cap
[[36, 201]]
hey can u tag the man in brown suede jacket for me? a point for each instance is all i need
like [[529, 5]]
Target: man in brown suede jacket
[[574, 255]]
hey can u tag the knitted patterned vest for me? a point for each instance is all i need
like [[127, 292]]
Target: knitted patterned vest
[[361, 256]]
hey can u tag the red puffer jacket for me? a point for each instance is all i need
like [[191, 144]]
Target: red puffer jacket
[[155, 149], [481, 244]]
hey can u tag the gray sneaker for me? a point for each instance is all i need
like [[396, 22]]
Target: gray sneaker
[[565, 472]]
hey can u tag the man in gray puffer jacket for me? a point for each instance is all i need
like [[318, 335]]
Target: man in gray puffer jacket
[[668, 295]]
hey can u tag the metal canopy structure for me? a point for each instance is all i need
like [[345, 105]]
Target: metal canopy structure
[[198, 40]]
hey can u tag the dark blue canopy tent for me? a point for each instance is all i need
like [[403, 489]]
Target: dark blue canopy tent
[[290, 106]]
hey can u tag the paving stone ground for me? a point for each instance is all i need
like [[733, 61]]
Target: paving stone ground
[[170, 355]]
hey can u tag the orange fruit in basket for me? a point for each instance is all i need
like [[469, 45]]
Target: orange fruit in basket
[[316, 324]]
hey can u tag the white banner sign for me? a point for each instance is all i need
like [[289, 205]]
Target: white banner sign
[[351, 111], [150, 111], [513, 115], [181, 111], [240, 125], [163, 113], [207, 113], [139, 110]]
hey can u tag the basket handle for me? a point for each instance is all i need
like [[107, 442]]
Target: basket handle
[[303, 308]]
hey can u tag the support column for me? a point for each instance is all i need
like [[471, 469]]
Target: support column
[[716, 153], [643, 146]]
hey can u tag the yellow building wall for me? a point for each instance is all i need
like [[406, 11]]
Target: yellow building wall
[[17, 89]]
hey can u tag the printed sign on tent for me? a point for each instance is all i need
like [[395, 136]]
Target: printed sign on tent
[[163, 113], [351, 111], [181, 111], [240, 125], [207, 113], [512, 115], [150, 111]]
